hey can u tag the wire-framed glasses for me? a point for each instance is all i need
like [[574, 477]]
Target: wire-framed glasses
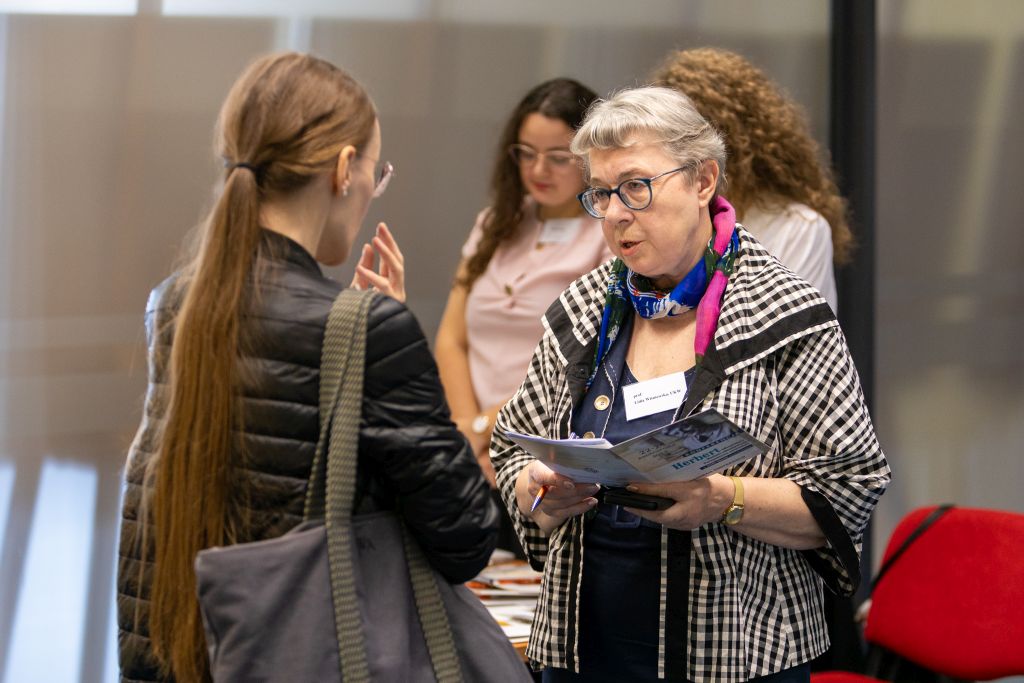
[[387, 172], [524, 155], [635, 194]]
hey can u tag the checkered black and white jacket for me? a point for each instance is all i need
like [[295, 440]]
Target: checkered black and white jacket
[[732, 607]]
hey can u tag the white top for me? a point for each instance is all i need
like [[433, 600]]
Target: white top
[[801, 238]]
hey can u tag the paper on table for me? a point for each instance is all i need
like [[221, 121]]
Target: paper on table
[[683, 450], [515, 620]]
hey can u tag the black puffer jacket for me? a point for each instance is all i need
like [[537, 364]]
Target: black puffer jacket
[[411, 457]]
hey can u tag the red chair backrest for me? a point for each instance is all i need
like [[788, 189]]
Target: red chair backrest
[[953, 602]]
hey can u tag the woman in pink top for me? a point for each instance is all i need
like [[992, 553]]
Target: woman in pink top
[[524, 250]]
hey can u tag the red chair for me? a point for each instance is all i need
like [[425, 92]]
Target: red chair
[[952, 602]]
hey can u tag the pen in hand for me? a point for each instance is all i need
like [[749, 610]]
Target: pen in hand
[[540, 496]]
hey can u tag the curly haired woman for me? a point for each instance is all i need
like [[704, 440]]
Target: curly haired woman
[[781, 190]]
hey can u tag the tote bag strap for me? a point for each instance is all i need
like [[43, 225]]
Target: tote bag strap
[[344, 352], [341, 396], [341, 393], [437, 631]]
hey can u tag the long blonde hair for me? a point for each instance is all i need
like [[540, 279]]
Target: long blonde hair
[[772, 156], [285, 121]]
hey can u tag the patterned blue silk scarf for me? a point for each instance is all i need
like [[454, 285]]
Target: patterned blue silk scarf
[[651, 302], [629, 290]]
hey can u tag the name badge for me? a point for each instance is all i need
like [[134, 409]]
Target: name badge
[[558, 230], [655, 395]]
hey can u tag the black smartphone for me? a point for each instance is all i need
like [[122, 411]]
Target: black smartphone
[[640, 501]]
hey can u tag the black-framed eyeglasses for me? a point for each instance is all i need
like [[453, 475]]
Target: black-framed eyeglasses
[[524, 155], [635, 193]]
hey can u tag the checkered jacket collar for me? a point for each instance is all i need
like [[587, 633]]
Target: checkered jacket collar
[[763, 309]]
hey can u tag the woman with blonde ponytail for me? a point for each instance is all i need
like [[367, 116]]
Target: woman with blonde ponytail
[[235, 338]]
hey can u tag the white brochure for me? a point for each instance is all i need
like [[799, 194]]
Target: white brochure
[[686, 449]]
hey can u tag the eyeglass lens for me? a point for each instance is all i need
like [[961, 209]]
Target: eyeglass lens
[[635, 194], [524, 155], [387, 172]]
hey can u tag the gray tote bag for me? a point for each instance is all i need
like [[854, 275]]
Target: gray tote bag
[[342, 597]]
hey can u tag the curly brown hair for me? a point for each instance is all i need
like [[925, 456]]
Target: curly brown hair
[[560, 98], [772, 156]]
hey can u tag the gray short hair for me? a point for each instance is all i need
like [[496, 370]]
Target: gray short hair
[[651, 114]]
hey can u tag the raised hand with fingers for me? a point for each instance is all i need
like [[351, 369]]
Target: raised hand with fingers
[[390, 278]]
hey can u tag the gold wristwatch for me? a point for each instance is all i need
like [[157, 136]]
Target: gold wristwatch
[[734, 513]]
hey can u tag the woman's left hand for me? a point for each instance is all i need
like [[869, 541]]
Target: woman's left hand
[[390, 280], [697, 502], [774, 509]]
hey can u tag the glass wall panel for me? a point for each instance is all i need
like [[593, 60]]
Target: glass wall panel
[[950, 375]]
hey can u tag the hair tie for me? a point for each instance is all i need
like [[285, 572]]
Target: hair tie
[[257, 170]]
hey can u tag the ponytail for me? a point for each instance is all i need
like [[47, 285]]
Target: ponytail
[[198, 452]]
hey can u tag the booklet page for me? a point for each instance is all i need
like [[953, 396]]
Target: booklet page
[[686, 449]]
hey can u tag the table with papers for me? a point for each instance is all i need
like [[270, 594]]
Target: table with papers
[[509, 588]]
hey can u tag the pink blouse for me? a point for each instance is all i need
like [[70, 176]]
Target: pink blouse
[[505, 305]]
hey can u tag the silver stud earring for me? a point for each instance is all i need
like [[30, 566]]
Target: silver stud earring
[[344, 191]]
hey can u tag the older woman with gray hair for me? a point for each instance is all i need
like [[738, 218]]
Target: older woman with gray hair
[[725, 584]]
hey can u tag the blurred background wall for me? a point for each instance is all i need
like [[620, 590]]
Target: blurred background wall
[[106, 117]]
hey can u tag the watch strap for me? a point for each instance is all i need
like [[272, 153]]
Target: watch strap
[[730, 517], [737, 498]]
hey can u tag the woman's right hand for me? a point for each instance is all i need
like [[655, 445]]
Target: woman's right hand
[[390, 281], [564, 498]]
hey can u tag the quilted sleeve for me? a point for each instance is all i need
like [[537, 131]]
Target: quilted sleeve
[[135, 656], [407, 437]]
